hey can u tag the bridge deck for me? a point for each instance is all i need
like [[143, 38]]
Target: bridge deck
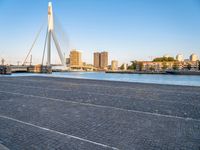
[[57, 113]]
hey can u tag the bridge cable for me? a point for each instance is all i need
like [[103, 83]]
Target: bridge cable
[[62, 35], [33, 44]]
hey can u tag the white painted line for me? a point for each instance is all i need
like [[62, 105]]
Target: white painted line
[[107, 107], [93, 93], [60, 133], [2, 147]]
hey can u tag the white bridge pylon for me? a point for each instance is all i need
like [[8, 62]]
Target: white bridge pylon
[[52, 36]]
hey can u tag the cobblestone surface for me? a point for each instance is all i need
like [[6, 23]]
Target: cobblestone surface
[[31, 138], [42, 113]]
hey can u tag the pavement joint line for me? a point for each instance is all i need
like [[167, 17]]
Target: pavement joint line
[[94, 85], [57, 132], [168, 101], [107, 107]]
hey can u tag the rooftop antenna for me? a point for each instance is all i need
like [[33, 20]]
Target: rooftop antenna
[[2, 61]]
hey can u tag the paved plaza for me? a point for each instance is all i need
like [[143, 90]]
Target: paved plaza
[[38, 113]]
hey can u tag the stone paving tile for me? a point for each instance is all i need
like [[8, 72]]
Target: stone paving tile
[[131, 90], [139, 103], [17, 136], [120, 128], [115, 128]]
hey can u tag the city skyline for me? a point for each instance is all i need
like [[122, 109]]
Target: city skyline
[[137, 32], [100, 74]]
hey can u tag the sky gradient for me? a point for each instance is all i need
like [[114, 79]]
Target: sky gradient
[[127, 29]]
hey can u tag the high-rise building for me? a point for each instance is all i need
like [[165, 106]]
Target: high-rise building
[[193, 57], [97, 59], [75, 58], [104, 60], [114, 65], [101, 60], [179, 57]]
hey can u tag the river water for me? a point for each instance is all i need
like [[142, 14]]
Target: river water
[[141, 78]]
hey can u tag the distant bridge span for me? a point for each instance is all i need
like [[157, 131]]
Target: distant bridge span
[[19, 68], [83, 67]]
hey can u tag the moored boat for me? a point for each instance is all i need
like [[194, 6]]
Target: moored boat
[[184, 72]]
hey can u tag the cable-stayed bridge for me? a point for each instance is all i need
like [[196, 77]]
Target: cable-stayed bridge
[[50, 38]]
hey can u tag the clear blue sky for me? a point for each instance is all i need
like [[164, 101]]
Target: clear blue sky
[[127, 29]]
